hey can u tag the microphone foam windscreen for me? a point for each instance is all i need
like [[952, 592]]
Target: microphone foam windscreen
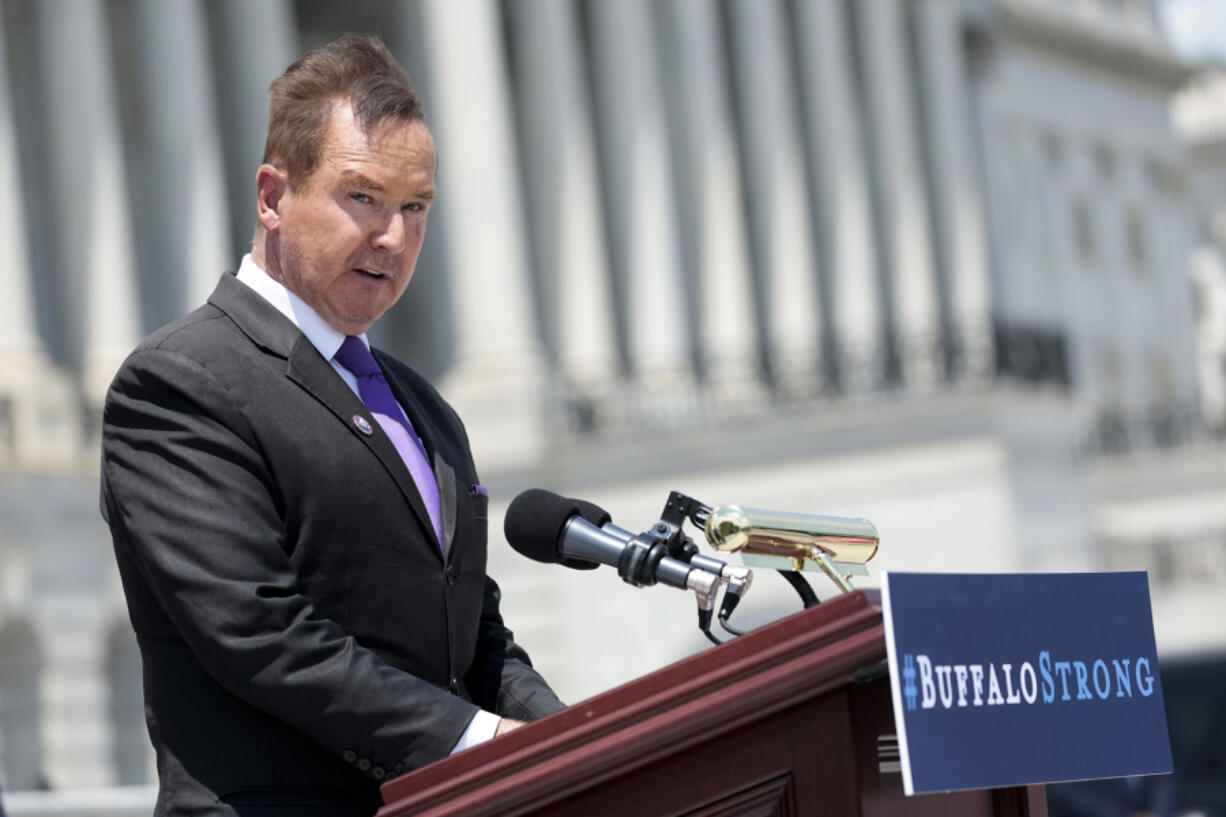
[[534, 523], [593, 513]]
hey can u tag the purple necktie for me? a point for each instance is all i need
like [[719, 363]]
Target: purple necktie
[[378, 397]]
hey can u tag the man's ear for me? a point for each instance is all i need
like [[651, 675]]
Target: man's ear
[[271, 185]]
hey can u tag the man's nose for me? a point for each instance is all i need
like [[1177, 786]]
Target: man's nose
[[389, 237]]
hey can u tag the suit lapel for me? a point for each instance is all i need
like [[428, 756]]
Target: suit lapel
[[309, 370], [272, 331], [257, 318], [444, 473]]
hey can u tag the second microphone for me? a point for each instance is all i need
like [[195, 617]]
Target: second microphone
[[550, 528]]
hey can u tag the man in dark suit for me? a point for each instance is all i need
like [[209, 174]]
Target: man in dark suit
[[298, 523]]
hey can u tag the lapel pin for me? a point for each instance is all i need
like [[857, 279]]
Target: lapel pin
[[363, 424]]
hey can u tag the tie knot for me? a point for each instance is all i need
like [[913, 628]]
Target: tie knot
[[355, 357]]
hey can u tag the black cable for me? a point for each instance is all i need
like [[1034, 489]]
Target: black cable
[[704, 624], [731, 600], [723, 622], [802, 587]]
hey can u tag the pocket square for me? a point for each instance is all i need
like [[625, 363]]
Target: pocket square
[[478, 489]]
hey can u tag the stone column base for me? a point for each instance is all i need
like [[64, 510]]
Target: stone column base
[[40, 425]]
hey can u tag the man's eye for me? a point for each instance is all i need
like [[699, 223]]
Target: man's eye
[[361, 197]]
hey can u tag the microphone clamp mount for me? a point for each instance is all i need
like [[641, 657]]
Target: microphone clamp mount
[[787, 542]]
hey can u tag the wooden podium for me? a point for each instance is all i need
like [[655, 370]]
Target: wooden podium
[[792, 719]]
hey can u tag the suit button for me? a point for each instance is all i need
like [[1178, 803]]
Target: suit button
[[450, 573], [364, 764], [349, 755], [378, 773], [455, 685]]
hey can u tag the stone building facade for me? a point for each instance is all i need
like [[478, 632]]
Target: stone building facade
[[921, 261]]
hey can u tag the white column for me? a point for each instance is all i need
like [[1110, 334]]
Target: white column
[[496, 380], [901, 187], [856, 307], [76, 730], [187, 206], [1035, 284], [261, 42], [958, 217], [1098, 367], [1209, 278], [42, 425], [780, 220], [21, 736], [1173, 246], [711, 204], [90, 192], [18, 334], [563, 181], [640, 197], [1066, 273]]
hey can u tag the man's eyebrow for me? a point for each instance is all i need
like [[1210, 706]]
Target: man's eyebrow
[[360, 179], [367, 183]]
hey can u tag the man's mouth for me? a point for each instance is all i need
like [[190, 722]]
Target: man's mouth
[[371, 273]]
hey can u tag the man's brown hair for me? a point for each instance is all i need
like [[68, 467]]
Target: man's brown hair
[[356, 69]]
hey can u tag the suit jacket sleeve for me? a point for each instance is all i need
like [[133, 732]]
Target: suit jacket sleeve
[[502, 678], [197, 517]]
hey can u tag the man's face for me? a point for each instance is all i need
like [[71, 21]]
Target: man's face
[[347, 240]]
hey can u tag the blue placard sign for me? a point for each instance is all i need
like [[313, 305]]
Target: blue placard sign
[[1005, 680]]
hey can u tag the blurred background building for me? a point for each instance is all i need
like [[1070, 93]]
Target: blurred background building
[[949, 265]]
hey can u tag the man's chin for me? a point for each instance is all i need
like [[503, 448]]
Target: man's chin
[[351, 324]]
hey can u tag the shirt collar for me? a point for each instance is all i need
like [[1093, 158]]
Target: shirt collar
[[323, 336]]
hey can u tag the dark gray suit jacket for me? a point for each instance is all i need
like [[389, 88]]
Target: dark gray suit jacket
[[303, 636]]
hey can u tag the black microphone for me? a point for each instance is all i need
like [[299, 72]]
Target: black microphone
[[550, 528], [534, 514]]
